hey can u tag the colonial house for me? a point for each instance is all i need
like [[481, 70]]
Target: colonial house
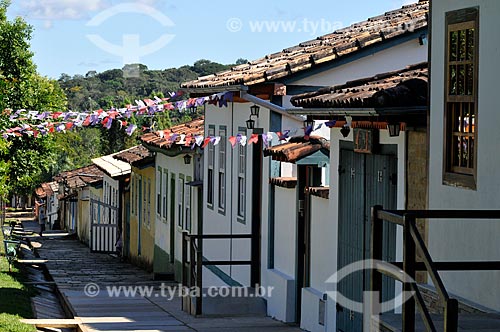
[[294, 203], [236, 180], [106, 209], [139, 226], [375, 157], [463, 143], [178, 195], [75, 189], [48, 192]]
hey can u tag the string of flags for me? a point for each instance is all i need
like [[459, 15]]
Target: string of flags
[[201, 141], [50, 122]]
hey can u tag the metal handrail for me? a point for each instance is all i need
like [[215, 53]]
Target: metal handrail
[[196, 262], [413, 241], [429, 264]]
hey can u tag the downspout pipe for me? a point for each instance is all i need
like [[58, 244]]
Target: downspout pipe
[[267, 104]]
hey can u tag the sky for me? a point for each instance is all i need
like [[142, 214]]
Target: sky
[[79, 36]]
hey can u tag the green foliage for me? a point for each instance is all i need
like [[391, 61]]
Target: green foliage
[[112, 89], [15, 302], [75, 149], [23, 160], [241, 61]]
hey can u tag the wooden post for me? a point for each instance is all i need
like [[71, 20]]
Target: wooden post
[[192, 273], [376, 255], [451, 316], [409, 269], [199, 278], [183, 266]]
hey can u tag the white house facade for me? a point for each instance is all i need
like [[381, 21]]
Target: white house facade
[[230, 207], [464, 141], [178, 193]]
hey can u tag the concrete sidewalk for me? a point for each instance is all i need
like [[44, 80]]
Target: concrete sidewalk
[[78, 272]]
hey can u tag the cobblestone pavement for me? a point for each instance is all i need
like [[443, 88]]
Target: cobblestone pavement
[[73, 267]]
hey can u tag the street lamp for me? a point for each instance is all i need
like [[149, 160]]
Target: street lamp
[[394, 129], [254, 110], [308, 123], [345, 131], [250, 123]]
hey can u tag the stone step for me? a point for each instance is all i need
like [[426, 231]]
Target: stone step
[[243, 302]]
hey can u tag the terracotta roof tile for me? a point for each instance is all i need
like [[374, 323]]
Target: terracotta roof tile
[[193, 128], [135, 154], [323, 192], [81, 177], [284, 182], [39, 192], [297, 148], [406, 87], [323, 49]]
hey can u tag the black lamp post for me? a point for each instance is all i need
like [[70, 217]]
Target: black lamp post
[[254, 110], [345, 131], [250, 123], [308, 123], [187, 159], [394, 129]]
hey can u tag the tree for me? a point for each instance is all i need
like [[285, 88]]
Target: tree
[[23, 160], [241, 61]]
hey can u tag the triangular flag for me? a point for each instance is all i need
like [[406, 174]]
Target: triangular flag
[[233, 141], [253, 139]]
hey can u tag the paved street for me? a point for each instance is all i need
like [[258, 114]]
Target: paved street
[[72, 266]]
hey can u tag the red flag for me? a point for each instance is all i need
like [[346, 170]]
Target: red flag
[[86, 123], [188, 140], [205, 142], [233, 141], [253, 139]]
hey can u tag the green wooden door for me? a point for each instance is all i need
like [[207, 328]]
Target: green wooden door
[[364, 181]]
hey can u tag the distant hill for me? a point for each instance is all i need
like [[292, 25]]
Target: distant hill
[[111, 89]]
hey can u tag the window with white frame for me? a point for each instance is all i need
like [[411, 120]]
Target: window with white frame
[[187, 205], [132, 190], [242, 160], [211, 159], [144, 200], [148, 221], [222, 169], [136, 194], [180, 201], [164, 194], [159, 185]]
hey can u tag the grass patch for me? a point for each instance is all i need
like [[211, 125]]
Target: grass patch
[[15, 298]]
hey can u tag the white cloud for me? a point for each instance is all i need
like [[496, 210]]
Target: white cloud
[[50, 10]]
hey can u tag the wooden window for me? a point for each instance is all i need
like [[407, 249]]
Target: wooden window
[[132, 193], [164, 194], [242, 161], [222, 168], [461, 59], [144, 200], [180, 202], [159, 186], [187, 205], [149, 202], [211, 159], [172, 198]]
